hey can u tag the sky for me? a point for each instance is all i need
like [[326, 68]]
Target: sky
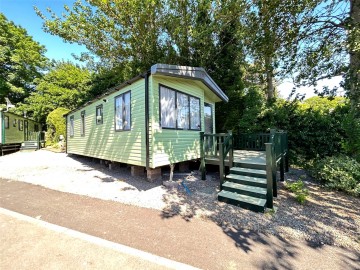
[[22, 13]]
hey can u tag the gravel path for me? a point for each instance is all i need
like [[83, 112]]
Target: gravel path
[[328, 217]]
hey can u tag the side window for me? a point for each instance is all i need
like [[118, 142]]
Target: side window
[[82, 129], [123, 112], [14, 123], [167, 108], [21, 125], [195, 119], [6, 122], [99, 114], [71, 126]]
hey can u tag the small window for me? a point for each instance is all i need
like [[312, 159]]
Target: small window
[[6, 122], [123, 112], [71, 126], [14, 123], [99, 114], [82, 130], [21, 125]]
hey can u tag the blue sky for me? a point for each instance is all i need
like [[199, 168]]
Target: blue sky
[[22, 13]]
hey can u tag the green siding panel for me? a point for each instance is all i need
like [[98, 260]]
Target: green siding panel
[[102, 141], [173, 146]]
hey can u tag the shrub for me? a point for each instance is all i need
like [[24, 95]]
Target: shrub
[[338, 172], [299, 190], [56, 125]]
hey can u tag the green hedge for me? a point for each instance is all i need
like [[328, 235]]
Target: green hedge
[[338, 172]]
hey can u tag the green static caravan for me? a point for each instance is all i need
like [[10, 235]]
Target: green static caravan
[[15, 130], [152, 120]]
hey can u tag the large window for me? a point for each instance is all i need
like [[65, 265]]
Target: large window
[[99, 114], [123, 112], [179, 110], [71, 126], [82, 129], [7, 121]]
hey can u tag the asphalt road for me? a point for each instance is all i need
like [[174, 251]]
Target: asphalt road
[[194, 242]]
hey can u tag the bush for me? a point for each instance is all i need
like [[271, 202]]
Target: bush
[[338, 172], [56, 125], [299, 190]]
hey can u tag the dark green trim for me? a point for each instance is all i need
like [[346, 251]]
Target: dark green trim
[[147, 143]]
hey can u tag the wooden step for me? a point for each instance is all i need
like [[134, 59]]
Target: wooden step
[[247, 180], [248, 172], [250, 165], [257, 192], [244, 201]]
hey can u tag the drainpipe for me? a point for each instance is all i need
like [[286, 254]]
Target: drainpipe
[[147, 144]]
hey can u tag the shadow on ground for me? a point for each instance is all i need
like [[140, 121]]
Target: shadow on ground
[[321, 221]]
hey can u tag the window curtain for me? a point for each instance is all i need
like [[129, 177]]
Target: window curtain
[[195, 113], [126, 111], [118, 113], [167, 106], [183, 111]]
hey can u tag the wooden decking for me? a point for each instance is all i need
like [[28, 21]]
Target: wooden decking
[[240, 156]]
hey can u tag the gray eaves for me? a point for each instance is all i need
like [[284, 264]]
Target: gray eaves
[[186, 72]]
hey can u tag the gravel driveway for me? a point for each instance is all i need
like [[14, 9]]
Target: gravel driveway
[[327, 217]]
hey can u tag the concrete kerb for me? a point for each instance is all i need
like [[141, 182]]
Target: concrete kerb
[[101, 242]]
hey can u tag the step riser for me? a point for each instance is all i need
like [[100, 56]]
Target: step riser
[[245, 192], [252, 174], [250, 166], [249, 183], [245, 205]]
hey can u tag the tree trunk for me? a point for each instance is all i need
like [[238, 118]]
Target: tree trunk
[[354, 72], [269, 78]]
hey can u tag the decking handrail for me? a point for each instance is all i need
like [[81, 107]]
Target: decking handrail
[[219, 146]]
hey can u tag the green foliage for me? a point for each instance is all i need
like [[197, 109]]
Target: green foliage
[[56, 124], [351, 142], [65, 85], [21, 60], [314, 127], [338, 172], [298, 188]]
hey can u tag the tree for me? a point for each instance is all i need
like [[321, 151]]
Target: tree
[[21, 61], [130, 36], [65, 85]]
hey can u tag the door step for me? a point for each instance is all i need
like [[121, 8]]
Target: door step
[[244, 201]]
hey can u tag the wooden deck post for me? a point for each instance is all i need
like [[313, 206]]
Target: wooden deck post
[[269, 175], [231, 152], [282, 168], [221, 163], [274, 169], [202, 157]]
